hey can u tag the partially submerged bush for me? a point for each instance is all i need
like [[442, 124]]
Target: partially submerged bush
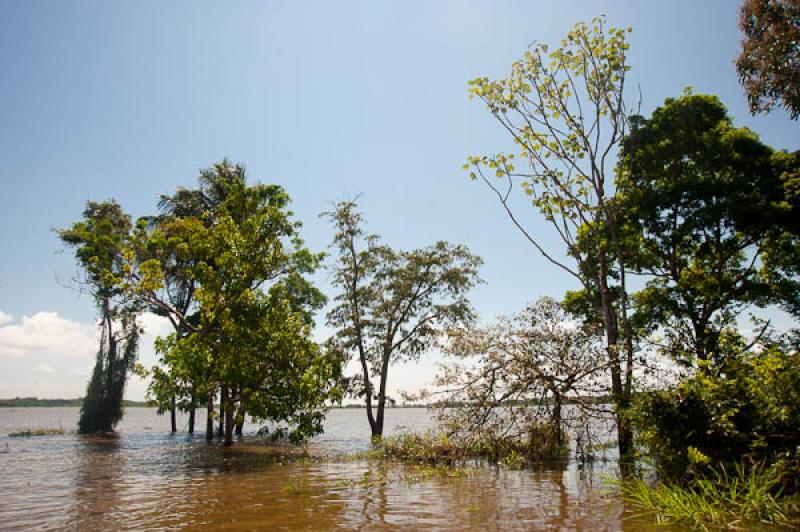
[[541, 443], [35, 432], [747, 406]]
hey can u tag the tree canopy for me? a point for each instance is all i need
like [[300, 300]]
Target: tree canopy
[[769, 63]]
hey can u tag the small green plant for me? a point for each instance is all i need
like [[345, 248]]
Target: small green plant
[[727, 497]]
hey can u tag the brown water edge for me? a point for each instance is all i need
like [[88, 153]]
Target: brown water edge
[[146, 480]]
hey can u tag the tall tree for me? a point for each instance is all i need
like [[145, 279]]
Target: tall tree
[[565, 110], [101, 243], [392, 305], [686, 175], [243, 254], [769, 63], [201, 203]]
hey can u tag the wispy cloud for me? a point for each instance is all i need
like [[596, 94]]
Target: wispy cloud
[[44, 368]]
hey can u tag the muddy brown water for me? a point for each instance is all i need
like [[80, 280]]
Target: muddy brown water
[[147, 478]]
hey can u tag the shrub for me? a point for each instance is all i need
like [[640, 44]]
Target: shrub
[[538, 444], [746, 406]]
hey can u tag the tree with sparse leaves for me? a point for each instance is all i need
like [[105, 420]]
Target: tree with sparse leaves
[[565, 110], [519, 373], [392, 305]]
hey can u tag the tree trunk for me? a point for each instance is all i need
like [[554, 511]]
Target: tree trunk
[[239, 421], [223, 397], [229, 410], [624, 431], [557, 417], [172, 415], [610, 324], [210, 416], [368, 395], [377, 427], [191, 412]]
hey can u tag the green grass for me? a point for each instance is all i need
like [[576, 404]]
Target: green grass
[[734, 498], [35, 432]]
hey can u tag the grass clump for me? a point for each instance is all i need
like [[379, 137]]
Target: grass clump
[[35, 432], [735, 498]]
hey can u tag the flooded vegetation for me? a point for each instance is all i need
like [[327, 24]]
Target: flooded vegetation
[[627, 392], [149, 478]]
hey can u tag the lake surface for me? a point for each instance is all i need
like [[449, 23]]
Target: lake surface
[[148, 478]]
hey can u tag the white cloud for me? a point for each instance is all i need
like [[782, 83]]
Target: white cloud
[[44, 368], [46, 332], [154, 325], [5, 318]]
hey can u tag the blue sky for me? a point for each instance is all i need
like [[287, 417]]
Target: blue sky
[[128, 100]]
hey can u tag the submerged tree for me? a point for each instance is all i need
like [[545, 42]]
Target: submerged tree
[[246, 335], [101, 242], [515, 376], [392, 304], [565, 110], [179, 283]]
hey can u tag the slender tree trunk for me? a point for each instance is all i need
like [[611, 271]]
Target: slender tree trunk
[[377, 429], [557, 399], [239, 421], [110, 380], [191, 412], [624, 431], [223, 398], [210, 416], [229, 411], [611, 326], [172, 415], [368, 395]]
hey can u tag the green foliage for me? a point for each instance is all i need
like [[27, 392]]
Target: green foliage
[[685, 178], [739, 498], [747, 406], [224, 262], [777, 220], [769, 63], [100, 241], [102, 407], [102, 247]]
